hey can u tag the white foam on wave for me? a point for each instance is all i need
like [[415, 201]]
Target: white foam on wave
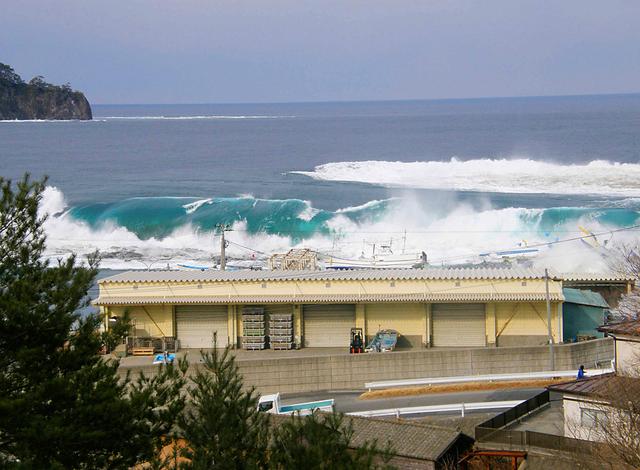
[[52, 202], [36, 121], [194, 206], [598, 177], [366, 205], [189, 118], [457, 235], [309, 212]]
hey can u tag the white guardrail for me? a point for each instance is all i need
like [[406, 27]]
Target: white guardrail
[[461, 407], [484, 378]]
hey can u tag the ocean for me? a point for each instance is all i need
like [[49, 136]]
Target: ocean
[[461, 180]]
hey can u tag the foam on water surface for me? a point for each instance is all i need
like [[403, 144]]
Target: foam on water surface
[[599, 177]]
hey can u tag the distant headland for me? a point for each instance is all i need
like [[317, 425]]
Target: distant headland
[[38, 99]]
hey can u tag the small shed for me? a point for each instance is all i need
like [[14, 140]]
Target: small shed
[[583, 312]]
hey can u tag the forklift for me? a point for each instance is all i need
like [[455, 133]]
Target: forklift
[[357, 342]]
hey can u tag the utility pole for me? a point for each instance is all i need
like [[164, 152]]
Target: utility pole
[[223, 244], [552, 362]]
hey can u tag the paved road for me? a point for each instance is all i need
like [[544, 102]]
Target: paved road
[[349, 401]]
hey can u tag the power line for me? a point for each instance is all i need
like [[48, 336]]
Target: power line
[[632, 228]]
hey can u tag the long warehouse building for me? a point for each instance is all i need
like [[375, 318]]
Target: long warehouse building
[[428, 307]]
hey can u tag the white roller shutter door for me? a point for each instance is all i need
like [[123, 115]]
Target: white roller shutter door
[[195, 325], [458, 324], [328, 326]]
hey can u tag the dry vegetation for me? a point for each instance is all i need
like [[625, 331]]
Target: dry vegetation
[[453, 388]]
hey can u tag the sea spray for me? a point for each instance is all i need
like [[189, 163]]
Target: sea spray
[[155, 231]]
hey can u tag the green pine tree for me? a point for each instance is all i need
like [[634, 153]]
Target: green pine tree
[[62, 405], [222, 426], [223, 429], [322, 441]]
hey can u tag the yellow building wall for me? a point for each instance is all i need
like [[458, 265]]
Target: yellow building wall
[[525, 323], [361, 318], [232, 325], [507, 323], [297, 324], [150, 320], [490, 323], [409, 319]]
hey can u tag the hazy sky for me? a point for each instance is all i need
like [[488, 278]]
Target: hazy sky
[[189, 51]]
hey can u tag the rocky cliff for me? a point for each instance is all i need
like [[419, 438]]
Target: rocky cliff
[[38, 99]]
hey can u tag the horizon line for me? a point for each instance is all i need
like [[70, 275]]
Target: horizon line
[[402, 100]]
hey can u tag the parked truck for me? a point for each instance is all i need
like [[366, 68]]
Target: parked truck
[[272, 404]]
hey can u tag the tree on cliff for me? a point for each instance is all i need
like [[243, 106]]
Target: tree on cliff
[[8, 75], [39, 82], [62, 405], [39, 99]]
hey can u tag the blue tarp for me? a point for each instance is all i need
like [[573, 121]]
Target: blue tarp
[[583, 312], [584, 297]]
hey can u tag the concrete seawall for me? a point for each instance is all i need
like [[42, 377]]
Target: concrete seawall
[[350, 372]]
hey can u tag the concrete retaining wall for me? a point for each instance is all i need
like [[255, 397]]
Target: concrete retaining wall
[[350, 372]]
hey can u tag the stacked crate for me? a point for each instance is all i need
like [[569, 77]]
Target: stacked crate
[[281, 330], [253, 326]]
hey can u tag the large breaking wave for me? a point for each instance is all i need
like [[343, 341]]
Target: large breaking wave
[[598, 177], [156, 231]]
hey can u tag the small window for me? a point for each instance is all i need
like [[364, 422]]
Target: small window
[[264, 285], [392, 284], [457, 283], [524, 283], [592, 418], [265, 406], [327, 284]]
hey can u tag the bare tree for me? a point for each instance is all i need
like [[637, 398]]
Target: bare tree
[[621, 428], [628, 308], [626, 261], [611, 417]]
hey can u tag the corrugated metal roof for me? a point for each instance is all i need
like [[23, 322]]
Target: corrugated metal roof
[[630, 328], [341, 275], [407, 439], [595, 277], [602, 386], [584, 297], [449, 297]]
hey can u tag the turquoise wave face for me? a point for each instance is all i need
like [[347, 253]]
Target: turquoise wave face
[[553, 219], [298, 220], [159, 217]]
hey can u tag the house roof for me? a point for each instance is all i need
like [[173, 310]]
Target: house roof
[[325, 275], [407, 439], [602, 386], [630, 328], [584, 297]]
